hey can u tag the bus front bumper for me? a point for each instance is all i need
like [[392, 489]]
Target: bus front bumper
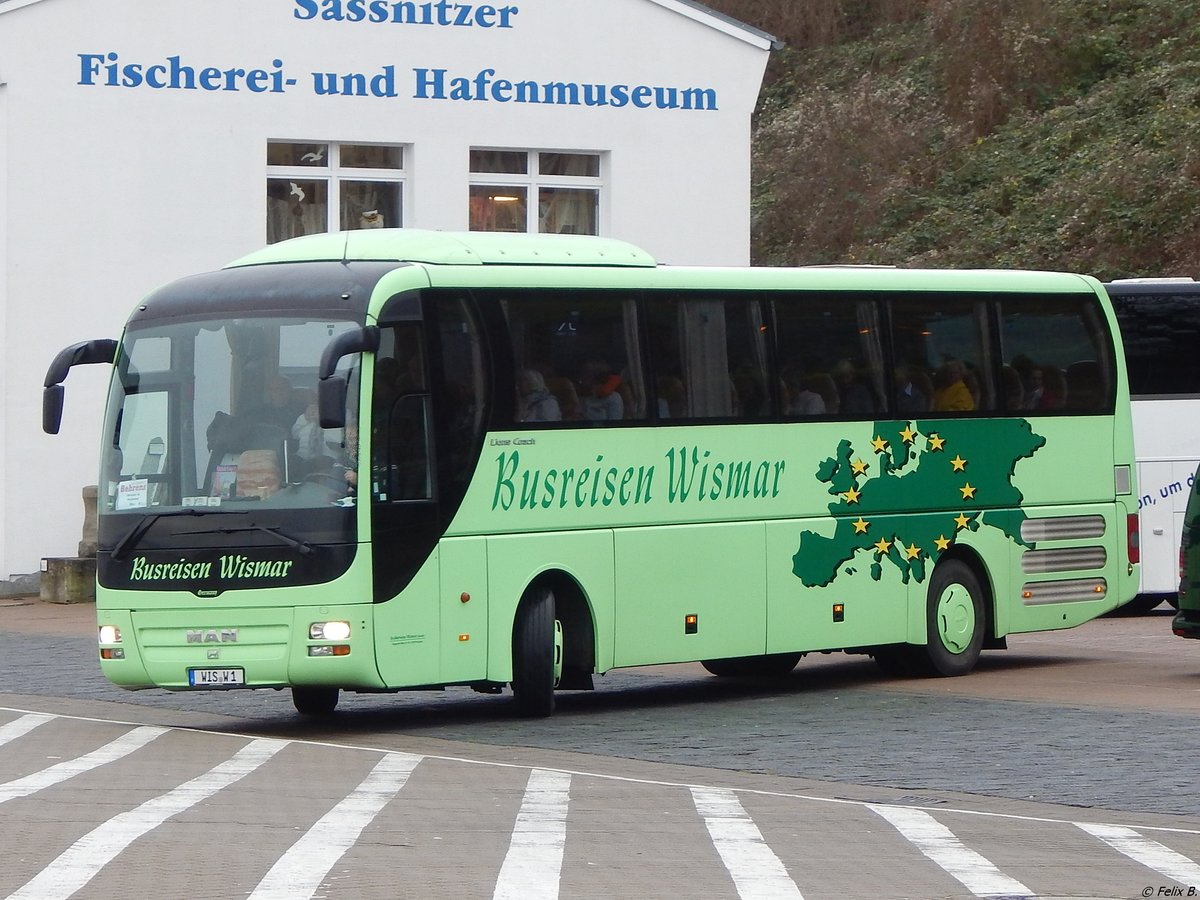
[[223, 649]]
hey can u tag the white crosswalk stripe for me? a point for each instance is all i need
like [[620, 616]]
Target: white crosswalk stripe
[[756, 870], [1149, 853], [532, 867], [299, 872], [110, 752], [19, 727], [939, 843], [77, 865]]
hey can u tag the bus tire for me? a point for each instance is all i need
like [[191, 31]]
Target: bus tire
[[536, 654], [955, 619], [315, 701], [773, 665]]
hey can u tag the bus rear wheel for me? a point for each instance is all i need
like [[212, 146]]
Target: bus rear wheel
[[536, 654], [955, 619], [315, 701], [773, 665]]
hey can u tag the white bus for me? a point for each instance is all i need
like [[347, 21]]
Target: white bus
[[1160, 327]]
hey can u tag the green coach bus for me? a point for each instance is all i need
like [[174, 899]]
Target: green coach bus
[[397, 459]]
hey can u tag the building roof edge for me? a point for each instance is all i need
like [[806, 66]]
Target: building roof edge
[[722, 22]]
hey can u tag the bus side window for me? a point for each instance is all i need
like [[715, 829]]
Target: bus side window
[[1057, 348]]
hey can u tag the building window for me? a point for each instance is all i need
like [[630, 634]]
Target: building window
[[315, 188], [535, 191]]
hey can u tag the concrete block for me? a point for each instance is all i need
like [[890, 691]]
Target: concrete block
[[70, 579]]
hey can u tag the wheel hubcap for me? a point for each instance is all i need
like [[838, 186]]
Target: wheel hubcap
[[955, 618], [558, 651]]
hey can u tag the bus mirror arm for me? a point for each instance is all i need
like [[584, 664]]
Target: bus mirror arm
[[81, 354], [331, 387]]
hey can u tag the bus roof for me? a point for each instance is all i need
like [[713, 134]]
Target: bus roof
[[473, 248]]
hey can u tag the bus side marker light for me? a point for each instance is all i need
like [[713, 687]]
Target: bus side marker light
[[839, 612], [465, 597], [691, 623], [464, 638]]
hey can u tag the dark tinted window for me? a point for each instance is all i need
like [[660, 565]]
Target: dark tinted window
[[1160, 329], [943, 357], [830, 355], [710, 356], [1055, 353], [576, 356]]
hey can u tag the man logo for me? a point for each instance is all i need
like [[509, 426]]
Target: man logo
[[212, 636]]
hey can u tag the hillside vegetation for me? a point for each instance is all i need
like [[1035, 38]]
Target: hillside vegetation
[[1018, 133]]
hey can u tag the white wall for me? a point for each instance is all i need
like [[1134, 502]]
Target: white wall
[[112, 191]]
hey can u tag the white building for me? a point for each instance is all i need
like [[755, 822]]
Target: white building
[[144, 140]]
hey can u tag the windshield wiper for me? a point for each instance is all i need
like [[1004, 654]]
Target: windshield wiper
[[135, 535], [305, 548]]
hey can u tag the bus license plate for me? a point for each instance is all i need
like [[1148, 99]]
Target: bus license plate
[[215, 677]]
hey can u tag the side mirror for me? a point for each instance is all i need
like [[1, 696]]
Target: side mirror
[[331, 388], [52, 408], [81, 354], [331, 401]]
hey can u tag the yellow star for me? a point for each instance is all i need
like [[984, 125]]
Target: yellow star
[[936, 442], [879, 444], [852, 495], [908, 434], [860, 527], [968, 492], [882, 546], [942, 542], [912, 551], [858, 467], [959, 463], [961, 521]]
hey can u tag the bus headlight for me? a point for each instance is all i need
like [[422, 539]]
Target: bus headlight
[[110, 634], [328, 631]]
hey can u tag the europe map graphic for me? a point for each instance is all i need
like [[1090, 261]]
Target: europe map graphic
[[963, 469]]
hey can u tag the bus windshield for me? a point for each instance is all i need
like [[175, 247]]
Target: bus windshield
[[220, 416]]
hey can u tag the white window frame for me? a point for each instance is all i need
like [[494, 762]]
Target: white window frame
[[533, 182], [334, 174]]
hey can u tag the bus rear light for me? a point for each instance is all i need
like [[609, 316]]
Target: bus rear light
[[328, 631], [1133, 543], [330, 650], [110, 634]]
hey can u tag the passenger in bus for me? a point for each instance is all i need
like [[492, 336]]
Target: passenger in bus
[[799, 399], [564, 392], [535, 403], [672, 397], [313, 452], [346, 465], [951, 393], [910, 397], [599, 394], [855, 396], [280, 405], [1014, 390]]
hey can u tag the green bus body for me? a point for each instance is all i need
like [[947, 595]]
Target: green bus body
[[1187, 620], [649, 541]]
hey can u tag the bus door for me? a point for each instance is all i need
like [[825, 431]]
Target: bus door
[[427, 410]]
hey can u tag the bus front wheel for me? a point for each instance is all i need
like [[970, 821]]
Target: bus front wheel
[[536, 654], [955, 618], [315, 701]]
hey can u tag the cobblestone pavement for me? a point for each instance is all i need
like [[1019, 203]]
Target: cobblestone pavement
[[1103, 716]]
